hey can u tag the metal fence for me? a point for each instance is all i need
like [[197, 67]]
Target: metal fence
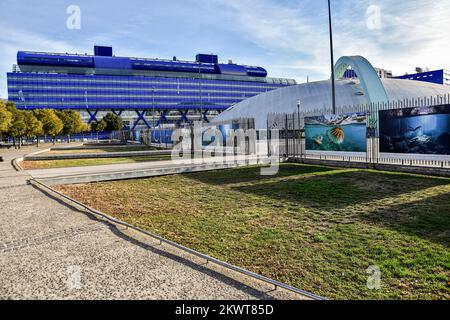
[[292, 139], [79, 136], [158, 137]]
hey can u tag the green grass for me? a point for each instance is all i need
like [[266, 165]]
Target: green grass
[[48, 164], [313, 227]]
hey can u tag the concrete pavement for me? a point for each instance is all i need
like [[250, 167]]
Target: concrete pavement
[[50, 250]]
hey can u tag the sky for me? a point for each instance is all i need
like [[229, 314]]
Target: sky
[[287, 37]]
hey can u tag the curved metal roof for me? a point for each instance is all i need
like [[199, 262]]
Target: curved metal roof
[[317, 95]]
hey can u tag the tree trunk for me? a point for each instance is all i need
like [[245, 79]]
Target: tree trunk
[[54, 140], [37, 141]]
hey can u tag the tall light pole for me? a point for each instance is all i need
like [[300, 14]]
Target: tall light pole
[[153, 105], [299, 128], [200, 91], [333, 86]]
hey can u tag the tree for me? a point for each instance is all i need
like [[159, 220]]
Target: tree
[[98, 126], [85, 127], [33, 127], [10, 106], [51, 124], [5, 118], [113, 122], [71, 122], [18, 127]]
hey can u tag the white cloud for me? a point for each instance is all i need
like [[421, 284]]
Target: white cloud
[[13, 40], [413, 33]]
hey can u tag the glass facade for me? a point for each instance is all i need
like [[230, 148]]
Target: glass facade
[[135, 88], [68, 91]]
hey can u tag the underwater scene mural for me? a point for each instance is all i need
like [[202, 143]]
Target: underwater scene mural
[[421, 130], [336, 132]]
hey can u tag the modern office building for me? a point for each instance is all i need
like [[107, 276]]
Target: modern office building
[[145, 92], [441, 76]]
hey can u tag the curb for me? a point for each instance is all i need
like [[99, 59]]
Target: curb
[[16, 164]]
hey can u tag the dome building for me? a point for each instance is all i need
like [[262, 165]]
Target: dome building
[[367, 88]]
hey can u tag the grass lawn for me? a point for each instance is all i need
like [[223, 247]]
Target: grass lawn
[[48, 164], [313, 227]]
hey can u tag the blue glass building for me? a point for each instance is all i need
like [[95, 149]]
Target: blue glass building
[[145, 92], [441, 76]]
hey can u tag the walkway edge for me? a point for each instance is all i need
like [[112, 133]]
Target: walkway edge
[[161, 239], [16, 164]]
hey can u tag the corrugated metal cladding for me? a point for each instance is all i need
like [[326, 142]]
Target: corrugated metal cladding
[[103, 59]]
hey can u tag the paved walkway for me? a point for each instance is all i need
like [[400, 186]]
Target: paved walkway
[[52, 251]]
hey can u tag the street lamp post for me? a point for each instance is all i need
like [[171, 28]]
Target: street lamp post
[[299, 129], [333, 86], [200, 91], [153, 106]]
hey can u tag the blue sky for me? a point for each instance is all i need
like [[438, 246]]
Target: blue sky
[[289, 38]]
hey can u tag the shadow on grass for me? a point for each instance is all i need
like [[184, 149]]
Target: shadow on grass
[[253, 174], [118, 230], [428, 219], [339, 189]]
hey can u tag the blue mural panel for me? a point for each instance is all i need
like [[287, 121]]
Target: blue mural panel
[[422, 130]]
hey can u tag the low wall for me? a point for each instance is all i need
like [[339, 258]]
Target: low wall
[[98, 155], [151, 172]]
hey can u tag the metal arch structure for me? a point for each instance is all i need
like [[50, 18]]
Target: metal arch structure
[[370, 82]]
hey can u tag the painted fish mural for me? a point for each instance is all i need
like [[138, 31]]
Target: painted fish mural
[[336, 132]]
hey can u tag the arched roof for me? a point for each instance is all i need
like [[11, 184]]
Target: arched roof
[[368, 77], [317, 95]]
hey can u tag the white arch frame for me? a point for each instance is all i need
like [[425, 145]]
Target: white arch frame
[[370, 82]]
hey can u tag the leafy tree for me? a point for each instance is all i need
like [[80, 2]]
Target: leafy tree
[[5, 118], [113, 122], [71, 122], [33, 127], [98, 126], [10, 106], [18, 127], [51, 124], [85, 127]]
